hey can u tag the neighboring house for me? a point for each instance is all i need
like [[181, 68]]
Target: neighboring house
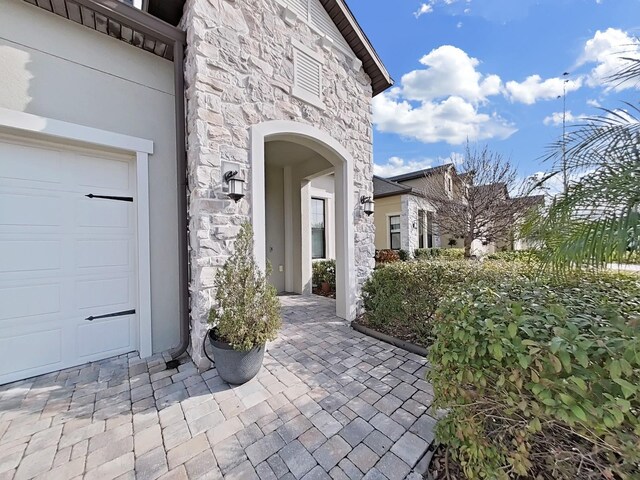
[[485, 246], [520, 207], [527, 204], [120, 130], [406, 213], [404, 218]]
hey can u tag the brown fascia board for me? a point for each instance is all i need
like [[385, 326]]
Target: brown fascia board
[[344, 20], [136, 19]]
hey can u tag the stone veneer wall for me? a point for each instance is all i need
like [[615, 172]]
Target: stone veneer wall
[[239, 72], [410, 237]]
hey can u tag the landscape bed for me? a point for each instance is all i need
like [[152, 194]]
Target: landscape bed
[[539, 373]]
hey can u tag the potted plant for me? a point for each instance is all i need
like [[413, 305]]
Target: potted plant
[[245, 315], [324, 275], [328, 276]]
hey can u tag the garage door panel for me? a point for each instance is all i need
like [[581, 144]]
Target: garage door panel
[[110, 292], [31, 353], [102, 213], [31, 164], [30, 255], [64, 257], [97, 172], [102, 253], [28, 301], [31, 210], [104, 337]]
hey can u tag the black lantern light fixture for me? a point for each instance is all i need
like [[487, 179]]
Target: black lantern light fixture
[[367, 204], [235, 185]]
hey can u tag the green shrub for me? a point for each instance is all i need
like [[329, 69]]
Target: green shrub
[[541, 379], [387, 256], [632, 257], [515, 256], [404, 255], [246, 312], [401, 298], [443, 253], [324, 271]]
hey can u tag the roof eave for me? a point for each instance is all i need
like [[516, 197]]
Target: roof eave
[[380, 78], [408, 191], [140, 20]]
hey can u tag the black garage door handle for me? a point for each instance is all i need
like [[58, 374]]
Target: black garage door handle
[[114, 314]]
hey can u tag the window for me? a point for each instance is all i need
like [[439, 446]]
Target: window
[[394, 232], [429, 229], [448, 185], [318, 237], [421, 228]]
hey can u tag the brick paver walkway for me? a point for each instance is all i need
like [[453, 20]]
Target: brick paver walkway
[[328, 403]]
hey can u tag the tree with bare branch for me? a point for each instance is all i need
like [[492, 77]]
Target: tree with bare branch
[[474, 203]]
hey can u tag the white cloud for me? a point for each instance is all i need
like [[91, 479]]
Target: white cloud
[[605, 49], [555, 118], [452, 120], [398, 166], [442, 101], [552, 186], [450, 71], [424, 8], [534, 88], [456, 158], [592, 102]]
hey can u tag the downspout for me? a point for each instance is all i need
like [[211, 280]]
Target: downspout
[[183, 227]]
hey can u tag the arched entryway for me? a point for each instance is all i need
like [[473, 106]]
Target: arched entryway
[[330, 157]]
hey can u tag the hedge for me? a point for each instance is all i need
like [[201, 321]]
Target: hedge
[[401, 298], [442, 253], [540, 379], [531, 256]]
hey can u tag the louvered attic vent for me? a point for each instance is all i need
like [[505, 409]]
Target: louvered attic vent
[[307, 75], [313, 14]]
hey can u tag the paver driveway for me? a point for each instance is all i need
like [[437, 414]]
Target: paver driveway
[[328, 403]]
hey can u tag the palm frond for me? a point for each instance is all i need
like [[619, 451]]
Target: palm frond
[[597, 220]]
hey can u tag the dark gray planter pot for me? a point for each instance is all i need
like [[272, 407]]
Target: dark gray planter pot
[[234, 366]]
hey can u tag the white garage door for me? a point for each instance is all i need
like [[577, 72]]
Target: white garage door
[[65, 258]]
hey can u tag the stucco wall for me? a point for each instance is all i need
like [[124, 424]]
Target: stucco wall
[[408, 207], [55, 68], [274, 204], [385, 207], [239, 73]]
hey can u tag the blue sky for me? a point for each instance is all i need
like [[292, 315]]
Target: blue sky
[[491, 71]]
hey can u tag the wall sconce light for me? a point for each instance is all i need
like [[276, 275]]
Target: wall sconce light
[[367, 204], [235, 185]]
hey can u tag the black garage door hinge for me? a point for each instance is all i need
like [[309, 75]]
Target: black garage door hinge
[[111, 197], [114, 314]]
